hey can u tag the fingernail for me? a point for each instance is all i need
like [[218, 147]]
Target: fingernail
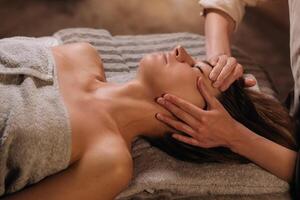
[[160, 100], [158, 116], [167, 96]]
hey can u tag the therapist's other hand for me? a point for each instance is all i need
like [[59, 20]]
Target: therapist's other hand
[[226, 70], [205, 128]]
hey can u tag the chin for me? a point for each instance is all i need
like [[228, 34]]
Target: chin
[[150, 67], [152, 60]]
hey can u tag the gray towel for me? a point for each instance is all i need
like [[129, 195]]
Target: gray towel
[[160, 176], [35, 136]]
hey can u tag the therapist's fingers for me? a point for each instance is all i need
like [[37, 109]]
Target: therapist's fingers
[[185, 139], [218, 67], [199, 142], [249, 82], [236, 74], [226, 72], [179, 113], [227, 83], [184, 105], [177, 125], [214, 60]]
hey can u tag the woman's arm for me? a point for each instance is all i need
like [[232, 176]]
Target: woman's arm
[[217, 128], [218, 30], [219, 27], [221, 19], [267, 154]]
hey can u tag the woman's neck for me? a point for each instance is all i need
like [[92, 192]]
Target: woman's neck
[[132, 107]]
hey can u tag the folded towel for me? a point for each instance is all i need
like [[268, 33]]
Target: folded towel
[[158, 175], [35, 136]]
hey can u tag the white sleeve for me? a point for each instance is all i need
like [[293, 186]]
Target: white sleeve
[[234, 8]]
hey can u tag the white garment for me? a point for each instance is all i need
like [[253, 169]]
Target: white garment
[[234, 8], [294, 6]]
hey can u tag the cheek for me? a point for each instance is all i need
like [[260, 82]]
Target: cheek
[[193, 96], [177, 80], [185, 87], [212, 90]]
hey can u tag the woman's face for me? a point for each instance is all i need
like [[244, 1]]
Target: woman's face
[[175, 72]]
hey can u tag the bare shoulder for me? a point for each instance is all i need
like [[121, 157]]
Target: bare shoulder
[[76, 48], [116, 154], [81, 49], [112, 160], [82, 55]]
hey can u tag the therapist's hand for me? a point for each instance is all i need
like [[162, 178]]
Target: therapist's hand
[[205, 128], [226, 70]]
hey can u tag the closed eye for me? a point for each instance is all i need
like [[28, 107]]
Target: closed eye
[[199, 68]]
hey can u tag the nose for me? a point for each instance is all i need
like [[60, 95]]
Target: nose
[[183, 56]]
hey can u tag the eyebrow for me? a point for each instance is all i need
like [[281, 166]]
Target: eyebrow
[[206, 62], [199, 68]]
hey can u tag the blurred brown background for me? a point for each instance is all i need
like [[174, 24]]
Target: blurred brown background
[[263, 35]]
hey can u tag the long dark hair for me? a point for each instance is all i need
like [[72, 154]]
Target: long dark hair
[[262, 114]]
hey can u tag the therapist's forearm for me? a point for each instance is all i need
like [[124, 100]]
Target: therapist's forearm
[[275, 158], [218, 30]]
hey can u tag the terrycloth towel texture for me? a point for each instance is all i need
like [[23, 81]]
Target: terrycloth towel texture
[[35, 136], [157, 175]]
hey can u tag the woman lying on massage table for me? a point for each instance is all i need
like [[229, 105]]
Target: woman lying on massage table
[[106, 117]]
